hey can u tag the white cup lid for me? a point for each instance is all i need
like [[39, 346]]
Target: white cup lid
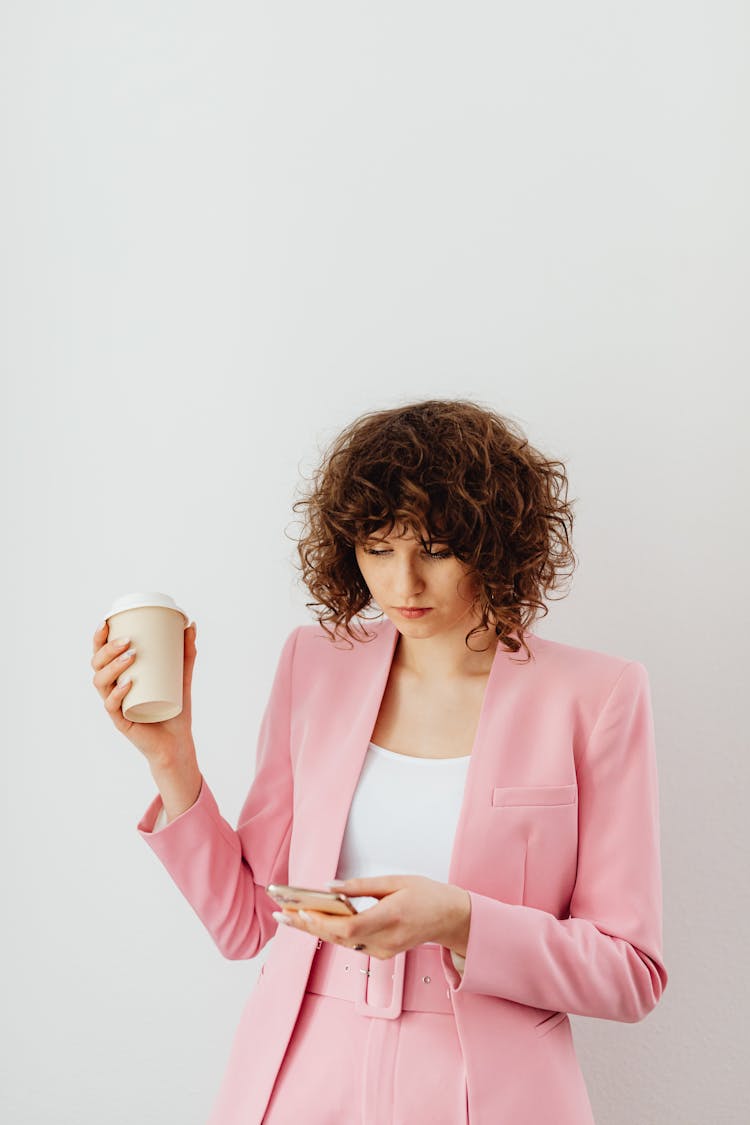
[[144, 598]]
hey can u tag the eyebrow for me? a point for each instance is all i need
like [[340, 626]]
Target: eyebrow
[[418, 542]]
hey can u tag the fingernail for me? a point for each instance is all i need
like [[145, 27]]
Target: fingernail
[[280, 917], [336, 883], [304, 916]]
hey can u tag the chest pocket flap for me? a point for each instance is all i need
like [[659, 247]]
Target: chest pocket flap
[[504, 795]]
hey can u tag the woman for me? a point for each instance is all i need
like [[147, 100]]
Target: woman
[[494, 819]]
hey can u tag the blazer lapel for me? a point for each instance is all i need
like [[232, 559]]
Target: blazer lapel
[[346, 707], [489, 850]]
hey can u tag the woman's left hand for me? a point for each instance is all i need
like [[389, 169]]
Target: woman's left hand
[[412, 909]]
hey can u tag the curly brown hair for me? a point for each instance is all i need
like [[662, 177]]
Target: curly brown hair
[[455, 472]]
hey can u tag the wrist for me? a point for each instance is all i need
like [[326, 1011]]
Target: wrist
[[179, 759], [458, 919], [179, 783]]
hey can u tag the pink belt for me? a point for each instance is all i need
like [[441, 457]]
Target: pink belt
[[413, 981]]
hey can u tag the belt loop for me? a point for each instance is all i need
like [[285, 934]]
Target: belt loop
[[390, 1011]]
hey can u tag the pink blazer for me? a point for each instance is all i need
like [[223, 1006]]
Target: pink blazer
[[557, 843]]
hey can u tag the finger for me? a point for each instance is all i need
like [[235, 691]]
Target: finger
[[100, 635], [372, 886], [289, 918], [324, 925], [104, 678], [304, 919], [113, 704], [107, 652]]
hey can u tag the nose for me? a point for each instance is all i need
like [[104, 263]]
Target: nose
[[407, 577]]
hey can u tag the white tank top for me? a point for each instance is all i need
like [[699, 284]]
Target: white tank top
[[403, 817]]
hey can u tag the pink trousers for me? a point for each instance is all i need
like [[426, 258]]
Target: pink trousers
[[375, 1043]]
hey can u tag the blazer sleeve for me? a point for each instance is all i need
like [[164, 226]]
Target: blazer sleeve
[[223, 871], [605, 960]]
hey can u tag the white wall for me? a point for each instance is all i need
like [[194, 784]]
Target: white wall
[[228, 228]]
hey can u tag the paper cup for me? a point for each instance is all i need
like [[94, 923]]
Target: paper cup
[[156, 627]]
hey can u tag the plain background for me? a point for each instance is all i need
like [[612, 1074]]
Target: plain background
[[228, 229]]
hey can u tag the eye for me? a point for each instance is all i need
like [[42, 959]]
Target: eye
[[430, 554]]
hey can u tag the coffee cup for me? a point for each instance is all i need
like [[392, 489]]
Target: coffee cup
[[156, 627]]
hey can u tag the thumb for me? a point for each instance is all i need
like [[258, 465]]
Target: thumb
[[189, 655], [375, 886]]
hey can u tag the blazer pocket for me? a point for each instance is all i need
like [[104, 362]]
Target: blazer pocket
[[504, 795]]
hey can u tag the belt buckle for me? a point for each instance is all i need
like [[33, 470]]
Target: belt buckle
[[388, 1011]]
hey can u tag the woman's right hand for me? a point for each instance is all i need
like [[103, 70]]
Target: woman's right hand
[[163, 744]]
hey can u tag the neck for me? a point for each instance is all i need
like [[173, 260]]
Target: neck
[[446, 655]]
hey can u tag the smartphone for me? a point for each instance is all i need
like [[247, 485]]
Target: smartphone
[[307, 898]]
